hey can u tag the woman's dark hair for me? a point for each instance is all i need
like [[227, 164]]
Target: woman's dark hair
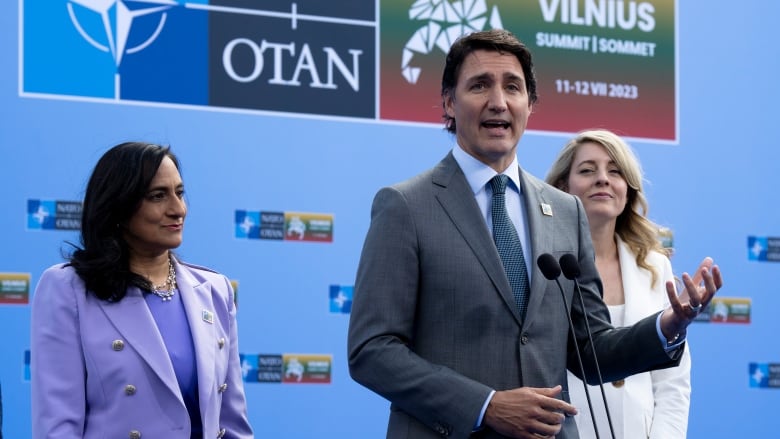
[[494, 40], [114, 193]]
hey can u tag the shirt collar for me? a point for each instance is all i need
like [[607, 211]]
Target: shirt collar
[[479, 174]]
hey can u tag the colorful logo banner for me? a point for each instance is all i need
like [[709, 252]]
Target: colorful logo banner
[[598, 63], [307, 368], [666, 237], [315, 227], [287, 226], [234, 285], [287, 368], [14, 288], [726, 310]]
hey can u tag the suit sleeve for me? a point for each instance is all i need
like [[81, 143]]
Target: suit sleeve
[[57, 362], [382, 325], [671, 386], [233, 414], [620, 352]]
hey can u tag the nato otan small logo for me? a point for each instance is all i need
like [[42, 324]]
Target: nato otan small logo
[[764, 375], [53, 215], [247, 224], [341, 299]]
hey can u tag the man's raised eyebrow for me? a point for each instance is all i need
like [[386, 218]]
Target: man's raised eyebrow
[[481, 77], [514, 77], [486, 76]]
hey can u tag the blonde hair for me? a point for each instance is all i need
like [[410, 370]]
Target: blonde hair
[[633, 227]]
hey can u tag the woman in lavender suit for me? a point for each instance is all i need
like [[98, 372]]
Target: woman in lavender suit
[[128, 341]]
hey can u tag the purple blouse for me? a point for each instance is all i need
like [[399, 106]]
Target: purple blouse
[[172, 323]]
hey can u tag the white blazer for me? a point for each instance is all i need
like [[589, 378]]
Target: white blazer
[[654, 404]]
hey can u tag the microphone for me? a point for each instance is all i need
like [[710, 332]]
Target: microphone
[[552, 271], [571, 271], [570, 267], [549, 266]]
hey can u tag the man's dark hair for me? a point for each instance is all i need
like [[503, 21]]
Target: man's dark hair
[[495, 40]]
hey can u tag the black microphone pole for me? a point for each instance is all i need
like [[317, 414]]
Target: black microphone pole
[[552, 271], [571, 271]]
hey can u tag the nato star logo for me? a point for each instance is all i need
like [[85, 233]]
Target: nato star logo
[[759, 375], [117, 20], [247, 224], [41, 214], [249, 367], [757, 248], [341, 299]]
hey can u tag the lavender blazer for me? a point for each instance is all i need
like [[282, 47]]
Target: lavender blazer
[[101, 370]]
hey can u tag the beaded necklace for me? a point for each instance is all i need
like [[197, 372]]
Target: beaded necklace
[[168, 289]]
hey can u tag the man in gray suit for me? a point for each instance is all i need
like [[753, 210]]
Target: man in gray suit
[[436, 327]]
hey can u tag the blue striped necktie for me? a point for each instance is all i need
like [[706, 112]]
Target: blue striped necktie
[[508, 244]]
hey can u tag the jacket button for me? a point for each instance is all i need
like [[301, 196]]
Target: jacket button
[[442, 430], [524, 339], [223, 387], [619, 383], [129, 390], [221, 342], [135, 434], [117, 345], [221, 433]]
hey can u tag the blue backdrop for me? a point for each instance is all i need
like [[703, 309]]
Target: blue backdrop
[[713, 190]]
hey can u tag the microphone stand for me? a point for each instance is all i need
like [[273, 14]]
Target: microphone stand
[[571, 271], [552, 271]]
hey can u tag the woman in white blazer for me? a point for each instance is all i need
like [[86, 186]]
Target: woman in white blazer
[[600, 168], [127, 341]]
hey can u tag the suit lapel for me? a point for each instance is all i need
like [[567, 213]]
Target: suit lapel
[[133, 320], [636, 280], [457, 199], [198, 305], [539, 214]]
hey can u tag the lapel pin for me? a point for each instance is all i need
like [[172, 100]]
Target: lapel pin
[[546, 209], [207, 316]]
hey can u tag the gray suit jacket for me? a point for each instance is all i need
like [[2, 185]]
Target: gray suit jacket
[[434, 326]]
